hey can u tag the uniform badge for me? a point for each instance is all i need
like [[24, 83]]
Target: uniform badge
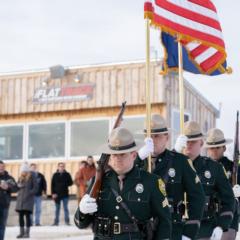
[[139, 188], [161, 186], [171, 172], [207, 174]]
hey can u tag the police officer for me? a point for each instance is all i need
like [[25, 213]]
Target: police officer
[[128, 199], [218, 192], [216, 146], [178, 175]]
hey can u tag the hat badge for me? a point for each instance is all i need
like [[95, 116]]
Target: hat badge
[[171, 172], [116, 142], [207, 174], [139, 188]]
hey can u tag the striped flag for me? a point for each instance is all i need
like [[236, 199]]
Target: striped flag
[[197, 25]]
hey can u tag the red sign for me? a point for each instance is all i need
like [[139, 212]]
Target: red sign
[[63, 94]]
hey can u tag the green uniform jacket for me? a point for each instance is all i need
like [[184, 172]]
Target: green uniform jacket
[[180, 177], [142, 195], [219, 196], [228, 165]]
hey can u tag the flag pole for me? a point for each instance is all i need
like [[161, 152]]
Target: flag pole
[[181, 85], [147, 87], [181, 101]]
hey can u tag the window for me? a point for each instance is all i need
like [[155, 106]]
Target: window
[[11, 142], [46, 140], [176, 124], [88, 136]]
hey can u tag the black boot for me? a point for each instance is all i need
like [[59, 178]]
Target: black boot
[[21, 234], [27, 232]]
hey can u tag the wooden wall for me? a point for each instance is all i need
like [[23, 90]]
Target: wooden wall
[[113, 84]]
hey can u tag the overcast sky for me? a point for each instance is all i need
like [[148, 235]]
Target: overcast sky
[[42, 33]]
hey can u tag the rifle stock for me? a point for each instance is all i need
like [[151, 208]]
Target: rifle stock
[[236, 152], [103, 161]]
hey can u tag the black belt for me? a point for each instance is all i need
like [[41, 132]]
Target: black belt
[[119, 228], [104, 226]]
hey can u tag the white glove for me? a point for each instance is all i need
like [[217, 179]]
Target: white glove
[[236, 190], [185, 238], [181, 143], [147, 149], [217, 233], [88, 204]]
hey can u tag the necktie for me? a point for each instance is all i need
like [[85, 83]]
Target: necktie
[[120, 181], [153, 160]]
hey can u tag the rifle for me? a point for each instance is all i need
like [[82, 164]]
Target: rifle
[[103, 161], [236, 152]]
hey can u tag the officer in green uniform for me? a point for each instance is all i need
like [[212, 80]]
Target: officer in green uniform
[[219, 198], [216, 146], [128, 199], [179, 176]]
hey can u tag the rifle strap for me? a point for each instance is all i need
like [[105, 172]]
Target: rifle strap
[[125, 207]]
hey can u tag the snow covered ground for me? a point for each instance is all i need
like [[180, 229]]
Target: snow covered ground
[[61, 232]]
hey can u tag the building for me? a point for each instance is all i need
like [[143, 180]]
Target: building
[[65, 114]]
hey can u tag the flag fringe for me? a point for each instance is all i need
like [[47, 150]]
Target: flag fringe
[[149, 15]]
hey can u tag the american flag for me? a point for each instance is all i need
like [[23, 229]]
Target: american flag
[[196, 22]]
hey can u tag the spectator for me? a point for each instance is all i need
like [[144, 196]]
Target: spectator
[[7, 186], [81, 189], [84, 175], [41, 190], [61, 180], [27, 186]]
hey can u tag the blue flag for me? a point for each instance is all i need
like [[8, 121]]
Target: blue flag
[[191, 61]]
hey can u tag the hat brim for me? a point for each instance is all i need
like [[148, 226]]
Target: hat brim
[[227, 141], [196, 138], [142, 132], [107, 150]]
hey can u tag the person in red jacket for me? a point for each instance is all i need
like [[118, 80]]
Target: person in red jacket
[[84, 175]]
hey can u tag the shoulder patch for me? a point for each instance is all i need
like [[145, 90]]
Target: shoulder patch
[[161, 186], [191, 165]]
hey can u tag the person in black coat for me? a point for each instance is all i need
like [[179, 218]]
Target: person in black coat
[[41, 190], [61, 180], [7, 186]]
